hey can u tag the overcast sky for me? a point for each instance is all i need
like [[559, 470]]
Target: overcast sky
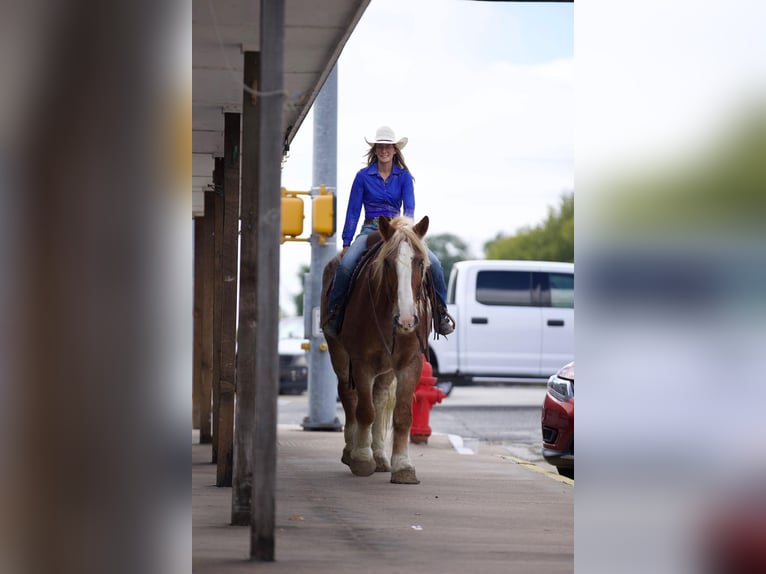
[[483, 91]]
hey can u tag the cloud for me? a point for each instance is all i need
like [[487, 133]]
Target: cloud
[[491, 139]]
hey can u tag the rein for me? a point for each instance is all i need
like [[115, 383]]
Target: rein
[[392, 348], [377, 324]]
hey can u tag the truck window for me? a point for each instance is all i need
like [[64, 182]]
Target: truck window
[[562, 290], [451, 287], [504, 288]]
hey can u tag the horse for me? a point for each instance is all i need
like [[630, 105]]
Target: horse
[[378, 353]]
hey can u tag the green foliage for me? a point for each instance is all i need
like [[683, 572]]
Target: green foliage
[[298, 299], [719, 188], [449, 249], [552, 240]]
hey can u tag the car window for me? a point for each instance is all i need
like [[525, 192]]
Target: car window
[[562, 290], [512, 288]]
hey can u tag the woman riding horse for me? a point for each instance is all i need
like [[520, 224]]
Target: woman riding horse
[[384, 187], [378, 354]]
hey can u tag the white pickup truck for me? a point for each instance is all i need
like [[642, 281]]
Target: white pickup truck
[[514, 321]]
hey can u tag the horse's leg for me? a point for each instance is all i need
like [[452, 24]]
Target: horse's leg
[[362, 462], [384, 398], [347, 395], [402, 470], [348, 399]]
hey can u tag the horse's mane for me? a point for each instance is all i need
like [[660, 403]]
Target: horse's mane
[[404, 231]]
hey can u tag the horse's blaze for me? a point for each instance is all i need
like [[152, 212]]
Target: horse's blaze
[[407, 320]]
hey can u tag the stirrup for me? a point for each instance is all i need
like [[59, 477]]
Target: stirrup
[[446, 323]]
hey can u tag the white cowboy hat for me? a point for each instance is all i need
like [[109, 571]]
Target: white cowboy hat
[[386, 135]]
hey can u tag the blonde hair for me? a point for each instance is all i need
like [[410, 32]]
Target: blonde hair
[[404, 226], [398, 158]]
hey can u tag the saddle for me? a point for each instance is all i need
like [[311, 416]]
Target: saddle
[[374, 243]]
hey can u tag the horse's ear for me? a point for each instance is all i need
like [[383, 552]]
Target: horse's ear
[[421, 227], [384, 226]]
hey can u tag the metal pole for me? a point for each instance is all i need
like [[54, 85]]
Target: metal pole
[[322, 386]]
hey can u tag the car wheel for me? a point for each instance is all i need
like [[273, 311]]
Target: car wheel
[[568, 472]]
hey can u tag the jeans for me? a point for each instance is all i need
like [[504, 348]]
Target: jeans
[[356, 249]]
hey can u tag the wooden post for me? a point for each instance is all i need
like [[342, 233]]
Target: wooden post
[[228, 299], [217, 280], [270, 102], [197, 317], [206, 321], [248, 270]]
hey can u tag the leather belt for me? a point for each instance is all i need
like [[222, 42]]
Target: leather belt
[[373, 219]]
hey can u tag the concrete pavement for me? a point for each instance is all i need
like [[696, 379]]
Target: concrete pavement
[[484, 513]]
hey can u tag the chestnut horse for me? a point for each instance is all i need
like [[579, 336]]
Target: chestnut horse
[[377, 355]]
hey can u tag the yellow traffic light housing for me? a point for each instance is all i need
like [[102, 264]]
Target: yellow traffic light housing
[[323, 213], [292, 214]]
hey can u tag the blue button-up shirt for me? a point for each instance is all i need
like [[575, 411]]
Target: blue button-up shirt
[[378, 197]]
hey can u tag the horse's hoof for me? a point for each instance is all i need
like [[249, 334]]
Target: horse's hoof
[[404, 476], [362, 467], [346, 458], [382, 465]]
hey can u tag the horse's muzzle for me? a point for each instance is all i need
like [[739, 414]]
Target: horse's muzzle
[[405, 328]]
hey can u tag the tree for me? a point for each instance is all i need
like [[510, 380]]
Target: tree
[[298, 299], [552, 240], [449, 249]]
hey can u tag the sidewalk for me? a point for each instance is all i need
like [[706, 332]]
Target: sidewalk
[[482, 513]]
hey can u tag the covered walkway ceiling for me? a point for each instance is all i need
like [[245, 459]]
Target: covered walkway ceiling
[[315, 33]]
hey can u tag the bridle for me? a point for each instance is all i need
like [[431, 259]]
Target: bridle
[[417, 300]]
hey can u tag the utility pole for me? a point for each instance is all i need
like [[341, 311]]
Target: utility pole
[[322, 386]]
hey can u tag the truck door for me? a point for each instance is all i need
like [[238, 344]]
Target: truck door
[[557, 299], [502, 325]]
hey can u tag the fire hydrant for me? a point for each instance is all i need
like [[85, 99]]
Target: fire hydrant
[[425, 396]]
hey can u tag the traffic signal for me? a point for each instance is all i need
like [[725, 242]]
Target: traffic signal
[[323, 213], [292, 214]]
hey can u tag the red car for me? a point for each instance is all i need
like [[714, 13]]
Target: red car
[[558, 421]]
